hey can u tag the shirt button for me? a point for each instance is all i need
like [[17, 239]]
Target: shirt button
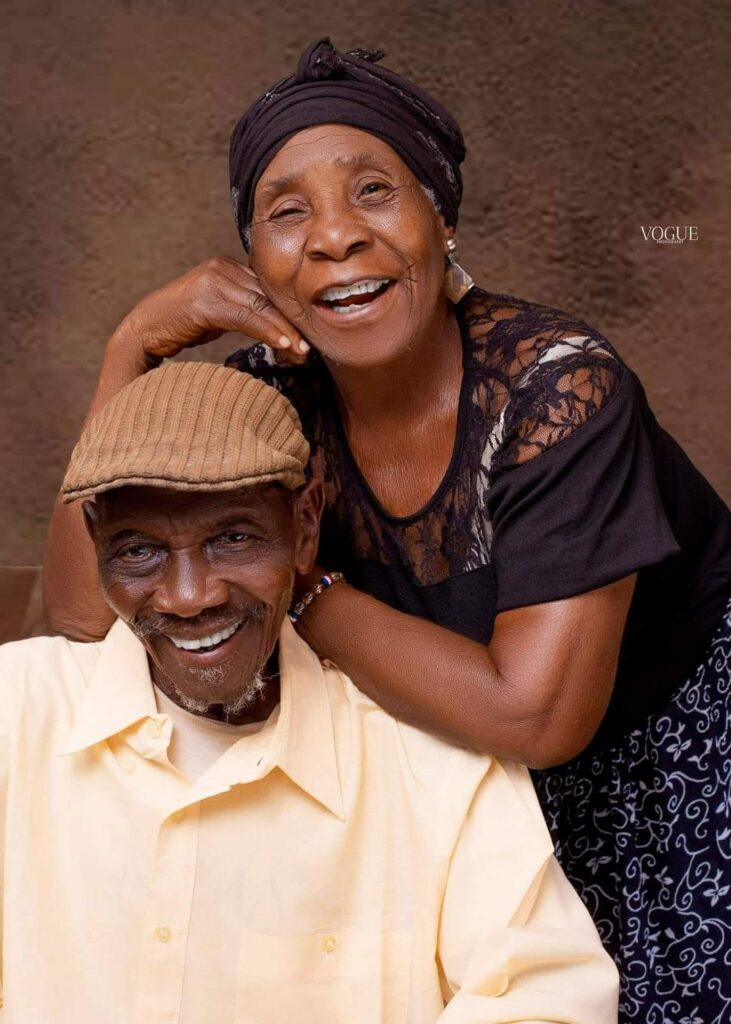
[[329, 944], [153, 727], [177, 816], [163, 934]]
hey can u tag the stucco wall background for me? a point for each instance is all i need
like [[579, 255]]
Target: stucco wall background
[[584, 120]]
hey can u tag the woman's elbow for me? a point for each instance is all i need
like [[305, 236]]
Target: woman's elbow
[[555, 739], [85, 626], [538, 733]]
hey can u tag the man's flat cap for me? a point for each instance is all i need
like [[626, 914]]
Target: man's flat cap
[[190, 427]]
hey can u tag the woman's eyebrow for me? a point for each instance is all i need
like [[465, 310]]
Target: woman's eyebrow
[[354, 161]]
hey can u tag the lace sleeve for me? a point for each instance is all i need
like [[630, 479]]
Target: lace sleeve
[[566, 383]]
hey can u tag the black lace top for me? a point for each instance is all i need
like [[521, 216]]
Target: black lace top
[[560, 481]]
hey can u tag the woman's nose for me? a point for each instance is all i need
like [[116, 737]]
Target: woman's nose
[[336, 234], [189, 586]]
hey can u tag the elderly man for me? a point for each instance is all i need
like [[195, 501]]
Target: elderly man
[[206, 824]]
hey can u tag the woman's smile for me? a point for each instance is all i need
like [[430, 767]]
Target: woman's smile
[[344, 305]]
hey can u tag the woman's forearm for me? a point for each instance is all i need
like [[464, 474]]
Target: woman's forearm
[[73, 601], [537, 694], [421, 672]]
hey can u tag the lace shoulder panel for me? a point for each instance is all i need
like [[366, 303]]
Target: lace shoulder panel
[[543, 374]]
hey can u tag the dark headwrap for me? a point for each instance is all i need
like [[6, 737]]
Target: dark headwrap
[[348, 88]]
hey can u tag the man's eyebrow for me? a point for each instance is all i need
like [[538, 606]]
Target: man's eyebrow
[[209, 526], [120, 535], [356, 161], [243, 518]]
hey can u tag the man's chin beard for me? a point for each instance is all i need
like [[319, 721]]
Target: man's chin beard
[[225, 710]]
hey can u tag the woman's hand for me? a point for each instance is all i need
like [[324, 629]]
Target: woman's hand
[[217, 296]]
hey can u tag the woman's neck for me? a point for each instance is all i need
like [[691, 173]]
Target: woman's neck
[[416, 385]]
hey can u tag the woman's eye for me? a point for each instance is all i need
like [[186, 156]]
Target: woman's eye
[[373, 188], [286, 211]]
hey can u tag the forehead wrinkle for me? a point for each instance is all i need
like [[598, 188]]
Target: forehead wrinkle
[[193, 508], [353, 161]]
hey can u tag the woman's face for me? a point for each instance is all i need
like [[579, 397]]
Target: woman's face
[[348, 246]]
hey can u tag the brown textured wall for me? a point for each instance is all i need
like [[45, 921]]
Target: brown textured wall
[[585, 121]]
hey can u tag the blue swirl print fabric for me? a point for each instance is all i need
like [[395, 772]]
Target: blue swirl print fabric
[[643, 830]]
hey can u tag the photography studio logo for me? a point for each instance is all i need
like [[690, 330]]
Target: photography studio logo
[[674, 234]]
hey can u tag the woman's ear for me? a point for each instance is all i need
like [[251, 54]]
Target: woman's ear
[[308, 505]]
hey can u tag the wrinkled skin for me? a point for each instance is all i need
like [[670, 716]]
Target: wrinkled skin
[[337, 205], [185, 565]]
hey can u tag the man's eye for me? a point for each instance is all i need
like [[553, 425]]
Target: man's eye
[[234, 537], [137, 552]]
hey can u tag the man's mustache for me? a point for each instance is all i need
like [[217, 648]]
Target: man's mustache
[[149, 624]]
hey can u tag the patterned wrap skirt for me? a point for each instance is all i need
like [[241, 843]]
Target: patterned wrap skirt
[[643, 830]]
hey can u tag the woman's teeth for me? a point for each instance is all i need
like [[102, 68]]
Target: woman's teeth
[[206, 641], [350, 295]]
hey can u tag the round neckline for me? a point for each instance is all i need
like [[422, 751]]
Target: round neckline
[[455, 459]]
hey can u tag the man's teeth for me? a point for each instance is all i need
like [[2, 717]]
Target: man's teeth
[[361, 288], [206, 641]]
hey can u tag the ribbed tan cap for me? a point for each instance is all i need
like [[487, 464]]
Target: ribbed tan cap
[[190, 427]]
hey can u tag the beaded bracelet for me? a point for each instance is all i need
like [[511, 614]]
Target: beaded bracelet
[[325, 581]]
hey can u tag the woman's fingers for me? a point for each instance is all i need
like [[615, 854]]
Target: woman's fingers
[[245, 307], [239, 303], [217, 296]]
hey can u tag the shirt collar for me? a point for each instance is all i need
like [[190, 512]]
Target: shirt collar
[[120, 694], [307, 753]]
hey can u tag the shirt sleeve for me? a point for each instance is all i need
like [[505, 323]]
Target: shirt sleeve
[[515, 941], [582, 512]]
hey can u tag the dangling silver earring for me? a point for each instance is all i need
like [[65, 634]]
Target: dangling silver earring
[[457, 282]]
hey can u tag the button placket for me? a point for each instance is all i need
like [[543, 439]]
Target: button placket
[[167, 917], [154, 727]]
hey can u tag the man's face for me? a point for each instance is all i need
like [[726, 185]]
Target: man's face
[[205, 579]]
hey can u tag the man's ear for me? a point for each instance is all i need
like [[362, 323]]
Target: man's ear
[[90, 512], [309, 502]]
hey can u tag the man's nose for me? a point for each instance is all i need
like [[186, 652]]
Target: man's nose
[[189, 586], [336, 232]]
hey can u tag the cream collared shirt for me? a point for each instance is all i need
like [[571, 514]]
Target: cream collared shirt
[[336, 866]]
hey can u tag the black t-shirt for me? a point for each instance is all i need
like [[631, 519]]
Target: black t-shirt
[[561, 481]]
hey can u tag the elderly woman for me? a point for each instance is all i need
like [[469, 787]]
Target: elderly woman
[[533, 567]]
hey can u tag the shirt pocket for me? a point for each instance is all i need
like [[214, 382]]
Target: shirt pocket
[[345, 977]]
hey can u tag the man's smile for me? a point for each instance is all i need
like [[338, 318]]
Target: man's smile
[[210, 643], [211, 640]]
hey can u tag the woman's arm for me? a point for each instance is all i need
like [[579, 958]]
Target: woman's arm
[[217, 296], [72, 598], [537, 694]]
